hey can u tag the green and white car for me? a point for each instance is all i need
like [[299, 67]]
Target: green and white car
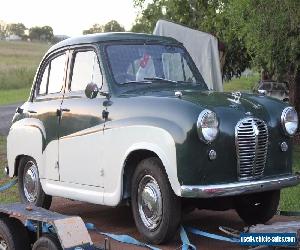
[[122, 117]]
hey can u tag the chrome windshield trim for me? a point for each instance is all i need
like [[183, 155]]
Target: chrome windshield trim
[[237, 188]]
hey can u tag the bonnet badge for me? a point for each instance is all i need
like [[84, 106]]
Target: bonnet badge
[[178, 94], [236, 97]]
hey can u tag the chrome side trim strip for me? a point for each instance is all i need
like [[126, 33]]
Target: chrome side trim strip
[[87, 131], [237, 188]]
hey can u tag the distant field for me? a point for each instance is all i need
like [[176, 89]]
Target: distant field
[[18, 64]]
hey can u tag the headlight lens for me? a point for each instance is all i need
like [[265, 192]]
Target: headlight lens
[[207, 125], [289, 121]]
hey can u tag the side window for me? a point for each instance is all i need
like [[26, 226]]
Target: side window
[[187, 71], [57, 72], [44, 82], [176, 68], [85, 70]]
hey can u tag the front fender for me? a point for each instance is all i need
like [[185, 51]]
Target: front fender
[[167, 154], [131, 138]]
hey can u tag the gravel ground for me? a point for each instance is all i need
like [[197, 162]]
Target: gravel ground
[[6, 115], [119, 220]]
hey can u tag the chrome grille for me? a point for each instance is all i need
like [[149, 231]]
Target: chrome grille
[[251, 145]]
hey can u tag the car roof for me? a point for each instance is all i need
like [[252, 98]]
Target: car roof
[[112, 36]]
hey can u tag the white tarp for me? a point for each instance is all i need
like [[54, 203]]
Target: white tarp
[[202, 46]]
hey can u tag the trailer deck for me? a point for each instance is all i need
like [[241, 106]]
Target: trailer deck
[[119, 220]]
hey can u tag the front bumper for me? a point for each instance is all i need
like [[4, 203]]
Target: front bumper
[[237, 188]]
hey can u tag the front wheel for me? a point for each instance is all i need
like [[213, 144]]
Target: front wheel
[[30, 188], [156, 209], [257, 208]]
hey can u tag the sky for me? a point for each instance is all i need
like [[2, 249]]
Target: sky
[[67, 17]]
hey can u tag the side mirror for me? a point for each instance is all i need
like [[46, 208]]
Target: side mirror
[[262, 92], [91, 90]]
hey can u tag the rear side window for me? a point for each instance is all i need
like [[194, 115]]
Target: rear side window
[[57, 73], [53, 76], [85, 70], [43, 85]]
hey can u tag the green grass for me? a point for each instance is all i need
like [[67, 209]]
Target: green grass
[[241, 84], [18, 63], [10, 195], [13, 95], [290, 196]]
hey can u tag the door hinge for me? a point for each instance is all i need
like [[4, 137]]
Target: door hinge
[[57, 165], [58, 112], [101, 172], [105, 114]]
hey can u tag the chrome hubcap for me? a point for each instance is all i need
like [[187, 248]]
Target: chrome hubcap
[[3, 244], [150, 202], [30, 181]]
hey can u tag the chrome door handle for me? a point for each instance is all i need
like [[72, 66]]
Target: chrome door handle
[[65, 110], [31, 111], [59, 111]]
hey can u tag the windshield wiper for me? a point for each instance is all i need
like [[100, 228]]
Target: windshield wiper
[[136, 82], [159, 79], [189, 82], [194, 83]]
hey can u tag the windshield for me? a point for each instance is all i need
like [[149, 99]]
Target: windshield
[[148, 63]]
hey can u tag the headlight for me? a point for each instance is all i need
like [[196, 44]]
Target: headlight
[[207, 126], [289, 120]]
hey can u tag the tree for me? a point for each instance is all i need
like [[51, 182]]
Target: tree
[[2, 31], [47, 33], [210, 16], [113, 26], [17, 29], [44, 33], [35, 33], [96, 28], [270, 29]]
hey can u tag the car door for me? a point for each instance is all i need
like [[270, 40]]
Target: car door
[[48, 96], [81, 125]]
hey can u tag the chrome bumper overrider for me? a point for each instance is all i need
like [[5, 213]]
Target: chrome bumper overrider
[[236, 188]]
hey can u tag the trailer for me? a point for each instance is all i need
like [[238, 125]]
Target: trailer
[[23, 226]]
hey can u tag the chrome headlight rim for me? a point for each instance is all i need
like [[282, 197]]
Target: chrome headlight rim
[[202, 136], [283, 120]]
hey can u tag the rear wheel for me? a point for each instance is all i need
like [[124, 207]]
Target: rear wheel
[[156, 209], [258, 208], [29, 185], [13, 235]]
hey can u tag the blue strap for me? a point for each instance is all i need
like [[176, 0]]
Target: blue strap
[[8, 185], [186, 244], [32, 227], [121, 238], [210, 235]]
